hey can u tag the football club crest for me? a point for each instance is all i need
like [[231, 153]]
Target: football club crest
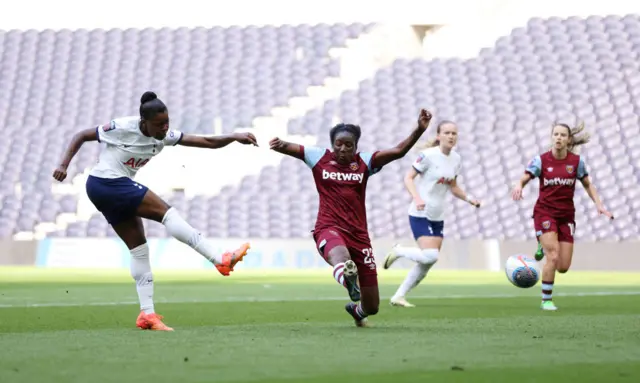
[[354, 166], [546, 225], [421, 157], [569, 169]]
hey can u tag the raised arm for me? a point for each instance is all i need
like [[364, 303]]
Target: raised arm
[[216, 142], [383, 157], [76, 143]]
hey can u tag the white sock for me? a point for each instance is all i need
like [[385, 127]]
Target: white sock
[[412, 253], [185, 233], [141, 272], [427, 258], [416, 274]]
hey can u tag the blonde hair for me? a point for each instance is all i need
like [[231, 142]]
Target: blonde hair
[[433, 142], [577, 136]]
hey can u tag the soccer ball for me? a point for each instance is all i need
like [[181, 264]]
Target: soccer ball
[[522, 271]]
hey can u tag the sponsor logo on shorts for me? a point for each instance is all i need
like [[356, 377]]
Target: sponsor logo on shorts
[[546, 225], [557, 181], [569, 169]]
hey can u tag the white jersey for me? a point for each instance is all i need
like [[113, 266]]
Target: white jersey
[[437, 172], [127, 148]]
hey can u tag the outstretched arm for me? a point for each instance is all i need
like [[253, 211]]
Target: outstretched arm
[[593, 194], [383, 157], [76, 143], [288, 148], [459, 193], [216, 142]]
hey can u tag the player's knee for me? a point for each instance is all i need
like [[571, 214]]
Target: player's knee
[[429, 256], [339, 254], [562, 266], [551, 252]]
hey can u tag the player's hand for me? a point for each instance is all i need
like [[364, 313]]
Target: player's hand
[[276, 144], [419, 203], [602, 210], [516, 193], [246, 139], [424, 119], [475, 203], [60, 173]]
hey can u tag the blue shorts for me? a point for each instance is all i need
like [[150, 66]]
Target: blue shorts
[[116, 198], [423, 227]]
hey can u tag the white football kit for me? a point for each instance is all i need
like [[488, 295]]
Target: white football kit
[[127, 149], [436, 173]]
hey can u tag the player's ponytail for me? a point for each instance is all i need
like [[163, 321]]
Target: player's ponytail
[[433, 142], [150, 105], [577, 136]]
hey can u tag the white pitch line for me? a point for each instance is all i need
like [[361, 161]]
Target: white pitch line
[[312, 299]]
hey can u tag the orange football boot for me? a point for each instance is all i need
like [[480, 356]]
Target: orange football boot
[[151, 322], [230, 259]]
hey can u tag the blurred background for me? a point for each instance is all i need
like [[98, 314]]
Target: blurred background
[[503, 70]]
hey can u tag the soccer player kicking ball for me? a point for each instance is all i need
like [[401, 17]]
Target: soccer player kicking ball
[[340, 232], [130, 143], [554, 212]]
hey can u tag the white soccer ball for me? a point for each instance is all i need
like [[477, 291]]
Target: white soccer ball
[[522, 271]]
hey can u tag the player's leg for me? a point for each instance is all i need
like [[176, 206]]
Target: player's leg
[[332, 248], [362, 254], [565, 249], [429, 236], [551, 248], [420, 227], [547, 232], [153, 207], [131, 231]]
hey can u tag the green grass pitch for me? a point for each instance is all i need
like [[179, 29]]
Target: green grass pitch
[[79, 326]]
